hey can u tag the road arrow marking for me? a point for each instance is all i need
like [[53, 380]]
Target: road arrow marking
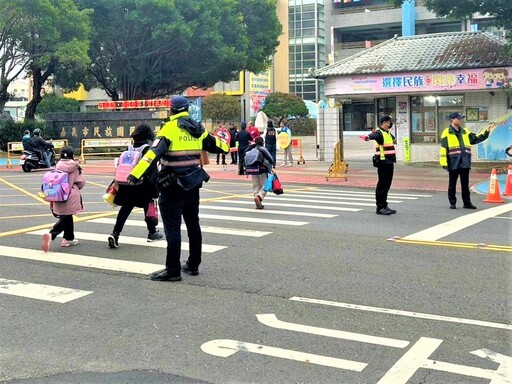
[[226, 348], [272, 321]]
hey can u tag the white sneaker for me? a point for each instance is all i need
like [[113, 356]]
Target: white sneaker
[[283, 165], [68, 243]]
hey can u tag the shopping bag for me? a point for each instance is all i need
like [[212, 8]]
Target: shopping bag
[[277, 187], [269, 183], [152, 213]]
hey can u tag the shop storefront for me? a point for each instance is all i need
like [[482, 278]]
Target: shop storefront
[[421, 100]]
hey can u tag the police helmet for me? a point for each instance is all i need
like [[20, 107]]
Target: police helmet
[[179, 103], [37, 132]]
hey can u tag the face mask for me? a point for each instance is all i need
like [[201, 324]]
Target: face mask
[[390, 124]]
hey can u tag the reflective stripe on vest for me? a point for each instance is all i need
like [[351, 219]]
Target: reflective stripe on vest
[[388, 148]]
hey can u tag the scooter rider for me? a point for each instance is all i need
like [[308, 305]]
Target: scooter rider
[[41, 145]]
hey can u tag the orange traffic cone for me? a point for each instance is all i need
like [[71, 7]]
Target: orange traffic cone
[[493, 194], [508, 182]]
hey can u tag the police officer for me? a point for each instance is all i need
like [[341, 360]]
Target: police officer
[[455, 157], [179, 144], [385, 158]]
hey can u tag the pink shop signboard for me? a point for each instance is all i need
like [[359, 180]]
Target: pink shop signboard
[[457, 80]]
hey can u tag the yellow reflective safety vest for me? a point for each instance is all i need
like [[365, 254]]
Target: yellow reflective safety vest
[[385, 151], [455, 149], [178, 145]]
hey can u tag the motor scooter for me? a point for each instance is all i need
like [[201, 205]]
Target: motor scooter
[[30, 160]]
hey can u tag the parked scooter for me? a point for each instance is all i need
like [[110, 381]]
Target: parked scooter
[[30, 160]]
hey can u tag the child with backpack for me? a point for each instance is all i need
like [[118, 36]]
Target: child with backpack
[[139, 195], [63, 192], [258, 163]]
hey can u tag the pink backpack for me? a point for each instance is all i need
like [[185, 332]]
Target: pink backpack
[[55, 187], [127, 161]]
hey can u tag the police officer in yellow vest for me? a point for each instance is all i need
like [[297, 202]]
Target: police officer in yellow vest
[[178, 145], [455, 157], [384, 160]]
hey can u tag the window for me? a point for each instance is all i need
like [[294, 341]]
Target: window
[[429, 116]]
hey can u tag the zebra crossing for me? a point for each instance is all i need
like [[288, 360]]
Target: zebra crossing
[[224, 218]]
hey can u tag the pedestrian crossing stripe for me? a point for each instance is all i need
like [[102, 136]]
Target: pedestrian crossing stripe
[[115, 265], [272, 212], [336, 199], [292, 198], [269, 201], [207, 248], [252, 219], [392, 194], [346, 195], [40, 291], [204, 228]]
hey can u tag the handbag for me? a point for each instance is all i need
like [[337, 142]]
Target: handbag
[[269, 183], [152, 213], [277, 187]]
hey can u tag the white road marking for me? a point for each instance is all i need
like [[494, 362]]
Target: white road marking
[[268, 211], [292, 200], [252, 219], [334, 199], [418, 357], [226, 348], [204, 228], [345, 194], [316, 207], [40, 291], [207, 248], [427, 316], [445, 229], [392, 194], [81, 261], [272, 321]]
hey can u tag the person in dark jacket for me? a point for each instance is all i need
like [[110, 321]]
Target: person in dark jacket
[[244, 138], [455, 157], [178, 146], [131, 196], [42, 146], [26, 140], [385, 159], [233, 132], [270, 140]]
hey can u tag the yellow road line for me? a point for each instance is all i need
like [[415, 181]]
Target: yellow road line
[[453, 244], [45, 226], [34, 196], [22, 216]]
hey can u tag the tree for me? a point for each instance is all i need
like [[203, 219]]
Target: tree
[[54, 38], [457, 9], [152, 48], [279, 106], [12, 61], [52, 103], [221, 107]]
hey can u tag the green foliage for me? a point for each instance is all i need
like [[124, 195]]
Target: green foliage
[[302, 126], [221, 108], [153, 48], [53, 103], [456, 9], [279, 105], [11, 131], [46, 38]]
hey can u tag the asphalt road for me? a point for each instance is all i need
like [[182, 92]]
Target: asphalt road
[[309, 290]]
